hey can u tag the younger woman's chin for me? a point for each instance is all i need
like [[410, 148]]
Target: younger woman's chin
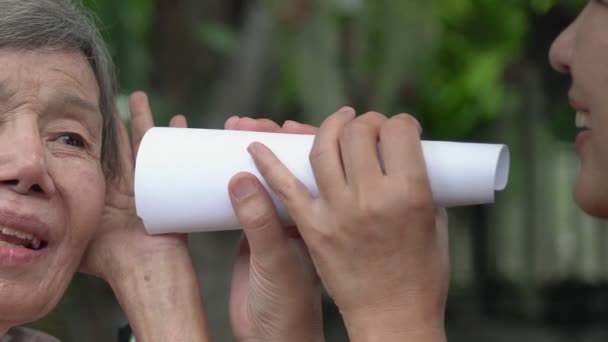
[[591, 200]]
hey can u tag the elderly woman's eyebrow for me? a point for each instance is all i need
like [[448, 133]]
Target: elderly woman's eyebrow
[[5, 92], [78, 108], [79, 102]]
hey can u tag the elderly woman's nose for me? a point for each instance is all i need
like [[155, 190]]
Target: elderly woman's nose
[[23, 164]]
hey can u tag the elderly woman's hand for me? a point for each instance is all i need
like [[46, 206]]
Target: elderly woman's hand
[[373, 234], [121, 236], [152, 276], [275, 295]]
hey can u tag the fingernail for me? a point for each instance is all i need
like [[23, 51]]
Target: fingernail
[[347, 110], [244, 188], [253, 148], [231, 122]]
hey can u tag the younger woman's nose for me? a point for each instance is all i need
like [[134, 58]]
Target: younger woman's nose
[[562, 50]]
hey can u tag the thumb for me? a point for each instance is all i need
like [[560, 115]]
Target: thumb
[[257, 215]]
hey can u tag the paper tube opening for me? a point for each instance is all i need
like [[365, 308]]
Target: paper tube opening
[[502, 169]]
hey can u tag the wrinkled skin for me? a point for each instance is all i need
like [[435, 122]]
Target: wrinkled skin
[[50, 132]]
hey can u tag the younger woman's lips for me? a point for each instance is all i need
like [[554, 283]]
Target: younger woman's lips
[[581, 140], [578, 105]]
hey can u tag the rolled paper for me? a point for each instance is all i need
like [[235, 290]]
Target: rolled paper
[[182, 175]]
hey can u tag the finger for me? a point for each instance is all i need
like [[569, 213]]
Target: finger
[[393, 140], [325, 155], [291, 192], [359, 146], [125, 153], [141, 118], [257, 215], [402, 154], [293, 127], [178, 121], [231, 122], [240, 282], [441, 226], [441, 217], [258, 125]]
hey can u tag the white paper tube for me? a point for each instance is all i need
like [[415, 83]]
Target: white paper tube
[[182, 175]]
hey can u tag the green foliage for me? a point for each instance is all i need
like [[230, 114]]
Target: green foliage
[[309, 62], [218, 37], [480, 40], [125, 24], [445, 60], [393, 41]]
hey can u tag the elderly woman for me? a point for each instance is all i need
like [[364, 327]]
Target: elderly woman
[[66, 180]]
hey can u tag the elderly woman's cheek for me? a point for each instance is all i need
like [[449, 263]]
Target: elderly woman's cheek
[[82, 186]]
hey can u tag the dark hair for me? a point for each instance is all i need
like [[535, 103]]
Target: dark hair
[[61, 24]]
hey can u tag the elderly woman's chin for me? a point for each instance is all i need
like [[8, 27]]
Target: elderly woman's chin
[[28, 293], [24, 302], [32, 281]]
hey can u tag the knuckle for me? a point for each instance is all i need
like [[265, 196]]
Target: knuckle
[[317, 153], [256, 214], [370, 210], [355, 129], [373, 117], [286, 188], [325, 237], [405, 122]]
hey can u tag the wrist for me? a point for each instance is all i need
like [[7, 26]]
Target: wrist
[[394, 325], [159, 293], [156, 255], [289, 338]]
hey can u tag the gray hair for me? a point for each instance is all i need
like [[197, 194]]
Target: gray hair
[[37, 24]]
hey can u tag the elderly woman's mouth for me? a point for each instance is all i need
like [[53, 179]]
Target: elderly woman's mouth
[[14, 238]]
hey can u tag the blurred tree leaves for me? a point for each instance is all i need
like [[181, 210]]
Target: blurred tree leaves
[[480, 39], [310, 76], [125, 24], [218, 37], [444, 60]]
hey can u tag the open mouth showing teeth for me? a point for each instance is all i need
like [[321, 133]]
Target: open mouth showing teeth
[[17, 239], [582, 120]]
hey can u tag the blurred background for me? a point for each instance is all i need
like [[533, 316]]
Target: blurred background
[[532, 267]]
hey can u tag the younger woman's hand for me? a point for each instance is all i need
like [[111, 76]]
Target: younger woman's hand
[[376, 239], [275, 294]]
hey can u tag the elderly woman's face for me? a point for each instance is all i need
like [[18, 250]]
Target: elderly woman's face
[[582, 51], [51, 181]]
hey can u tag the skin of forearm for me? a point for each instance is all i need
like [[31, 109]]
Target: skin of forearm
[[160, 296], [393, 326]]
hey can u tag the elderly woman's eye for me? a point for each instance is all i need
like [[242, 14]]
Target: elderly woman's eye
[[71, 139]]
